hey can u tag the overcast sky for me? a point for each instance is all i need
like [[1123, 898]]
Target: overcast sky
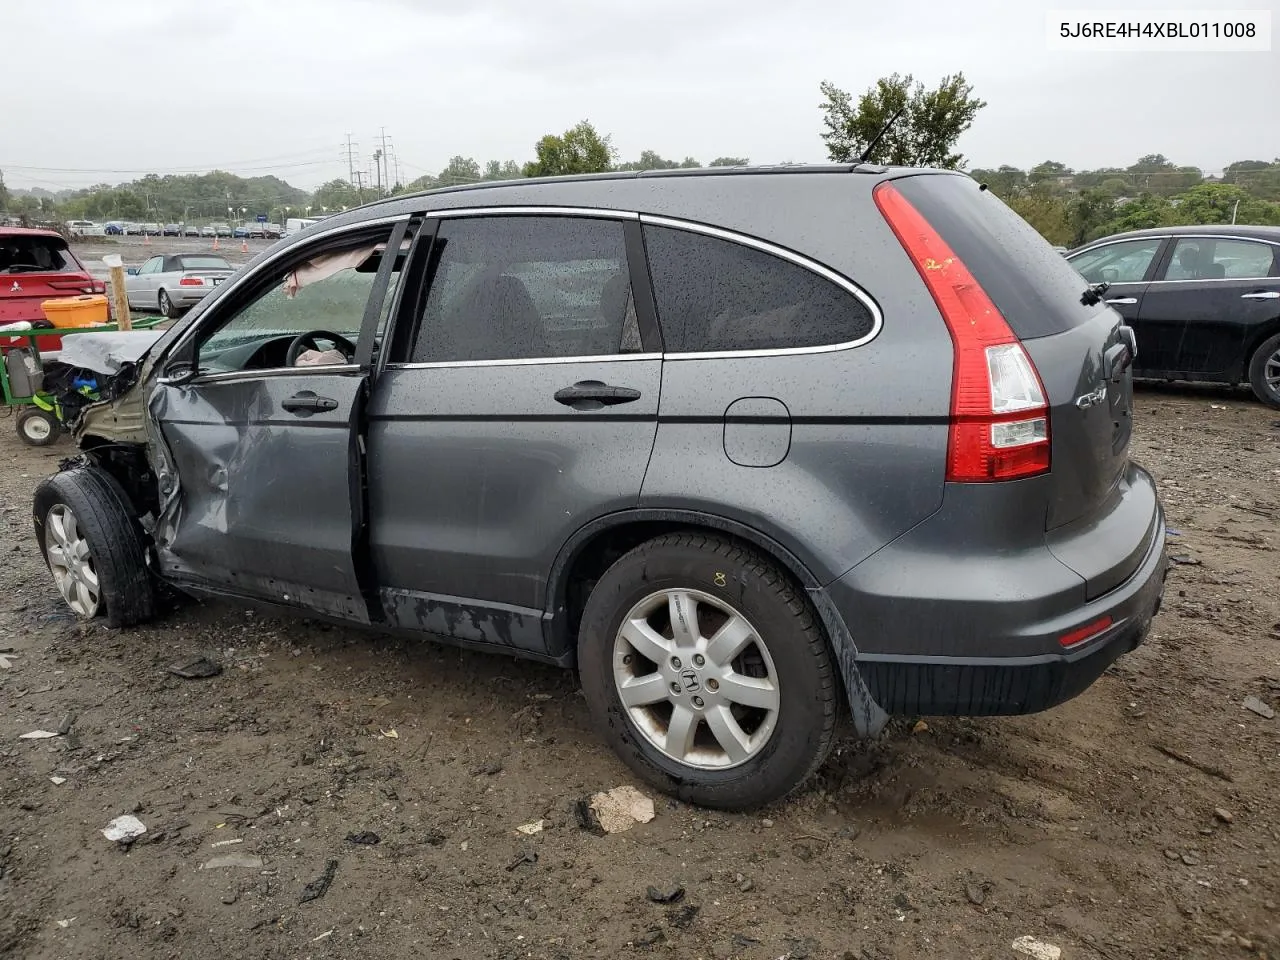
[[107, 91]]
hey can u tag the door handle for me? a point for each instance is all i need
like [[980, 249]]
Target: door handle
[[1123, 300], [305, 401], [1261, 295], [592, 394]]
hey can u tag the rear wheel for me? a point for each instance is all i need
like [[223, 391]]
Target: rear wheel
[[93, 546], [1264, 372], [707, 671], [167, 307], [37, 427]]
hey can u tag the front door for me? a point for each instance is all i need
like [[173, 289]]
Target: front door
[[522, 405], [1209, 304], [1126, 265], [264, 459]]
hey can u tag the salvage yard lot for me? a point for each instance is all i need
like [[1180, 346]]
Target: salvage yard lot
[[1140, 820]]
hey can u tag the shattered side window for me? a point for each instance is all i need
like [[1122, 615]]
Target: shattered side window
[[327, 292]]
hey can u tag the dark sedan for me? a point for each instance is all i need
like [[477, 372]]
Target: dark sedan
[[1203, 301]]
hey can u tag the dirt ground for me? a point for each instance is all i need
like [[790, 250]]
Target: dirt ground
[[1080, 826]]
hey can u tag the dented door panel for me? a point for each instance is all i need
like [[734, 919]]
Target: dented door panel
[[256, 497]]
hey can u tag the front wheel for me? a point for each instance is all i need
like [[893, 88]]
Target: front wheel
[[93, 546], [707, 670], [37, 427], [1264, 372]]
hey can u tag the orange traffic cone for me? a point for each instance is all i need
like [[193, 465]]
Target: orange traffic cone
[[244, 246], [215, 241], [146, 238]]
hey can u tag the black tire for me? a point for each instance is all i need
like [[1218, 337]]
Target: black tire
[[117, 549], [1268, 351], [748, 582], [37, 427], [166, 306]]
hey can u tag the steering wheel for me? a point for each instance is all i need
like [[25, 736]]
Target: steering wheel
[[309, 341]]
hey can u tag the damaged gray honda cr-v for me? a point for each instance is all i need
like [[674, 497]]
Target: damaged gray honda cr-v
[[739, 444]]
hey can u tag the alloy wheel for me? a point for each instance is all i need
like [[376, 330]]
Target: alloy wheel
[[71, 561], [696, 679]]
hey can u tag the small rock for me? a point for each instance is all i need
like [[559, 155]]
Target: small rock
[[1172, 854], [491, 769], [920, 727], [766, 822], [365, 838], [667, 893], [682, 917], [1257, 706], [1190, 859], [124, 829], [137, 807], [746, 886], [1223, 814], [650, 937], [976, 893], [434, 837], [229, 897], [1031, 947]]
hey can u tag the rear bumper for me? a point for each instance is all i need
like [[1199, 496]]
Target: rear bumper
[[187, 296], [984, 640]]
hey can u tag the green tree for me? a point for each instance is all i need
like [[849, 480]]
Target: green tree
[[1050, 170], [336, 195], [459, 170], [1047, 213], [1217, 202], [1259, 178], [1116, 187], [506, 170], [1142, 213], [1088, 215], [649, 160], [926, 133], [730, 162], [580, 149], [1005, 181], [4, 193]]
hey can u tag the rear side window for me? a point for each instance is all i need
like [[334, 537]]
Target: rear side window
[[36, 254], [1206, 258], [527, 287], [717, 295], [1032, 285]]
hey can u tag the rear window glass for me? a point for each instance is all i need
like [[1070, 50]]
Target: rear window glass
[[204, 263], [36, 254], [717, 295], [1031, 284]]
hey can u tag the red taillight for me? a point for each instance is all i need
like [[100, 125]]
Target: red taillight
[[999, 417], [191, 282], [1086, 632], [79, 285]]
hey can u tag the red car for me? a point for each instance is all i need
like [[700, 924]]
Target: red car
[[37, 265]]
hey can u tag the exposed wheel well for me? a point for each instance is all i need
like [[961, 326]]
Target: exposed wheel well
[[588, 563], [1265, 333]]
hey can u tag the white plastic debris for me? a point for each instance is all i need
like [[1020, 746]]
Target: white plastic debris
[[6, 660], [529, 829], [233, 860], [39, 735], [66, 923], [1031, 947], [621, 809], [124, 829], [57, 781], [226, 843]]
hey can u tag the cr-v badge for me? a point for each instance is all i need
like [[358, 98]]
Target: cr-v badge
[[1092, 399]]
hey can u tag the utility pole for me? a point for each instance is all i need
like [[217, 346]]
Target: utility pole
[[351, 154], [377, 165], [358, 179], [384, 171]]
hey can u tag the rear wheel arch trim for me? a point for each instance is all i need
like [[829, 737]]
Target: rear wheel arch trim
[[868, 718]]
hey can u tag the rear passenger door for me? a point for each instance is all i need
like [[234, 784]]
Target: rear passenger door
[[519, 403], [1210, 302], [1128, 266]]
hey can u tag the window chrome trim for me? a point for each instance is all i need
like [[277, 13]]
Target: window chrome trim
[[596, 213], [238, 280], [1108, 243], [1221, 280], [523, 361], [813, 266], [230, 375]]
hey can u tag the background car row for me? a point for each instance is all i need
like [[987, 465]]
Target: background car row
[[252, 231]]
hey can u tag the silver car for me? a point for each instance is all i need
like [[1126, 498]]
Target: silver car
[[173, 284]]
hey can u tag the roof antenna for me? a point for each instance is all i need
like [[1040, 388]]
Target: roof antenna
[[879, 136]]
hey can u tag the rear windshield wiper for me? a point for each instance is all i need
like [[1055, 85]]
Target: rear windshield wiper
[[1094, 293]]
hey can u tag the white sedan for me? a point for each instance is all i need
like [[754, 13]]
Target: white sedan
[[175, 283]]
